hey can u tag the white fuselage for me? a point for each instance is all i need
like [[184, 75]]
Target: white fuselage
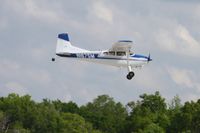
[[100, 57], [119, 55]]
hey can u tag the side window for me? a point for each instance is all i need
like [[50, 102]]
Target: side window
[[105, 53], [121, 53], [111, 52]]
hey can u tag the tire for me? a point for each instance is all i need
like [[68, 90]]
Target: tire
[[131, 74], [128, 77]]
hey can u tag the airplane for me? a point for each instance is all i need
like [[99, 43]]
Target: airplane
[[119, 55]]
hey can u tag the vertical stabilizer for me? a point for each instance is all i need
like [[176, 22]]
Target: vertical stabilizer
[[64, 46], [63, 43]]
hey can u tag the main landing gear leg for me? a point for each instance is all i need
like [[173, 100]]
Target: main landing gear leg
[[131, 74]]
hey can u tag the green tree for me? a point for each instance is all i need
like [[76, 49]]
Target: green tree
[[2, 125], [46, 118], [186, 119], [154, 102], [24, 115], [70, 107], [17, 127], [148, 115], [73, 123], [174, 113], [37, 117], [152, 128], [105, 114], [175, 104], [149, 112], [17, 108]]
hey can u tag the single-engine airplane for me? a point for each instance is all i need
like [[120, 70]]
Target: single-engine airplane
[[119, 55]]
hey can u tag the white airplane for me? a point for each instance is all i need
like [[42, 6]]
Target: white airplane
[[118, 55]]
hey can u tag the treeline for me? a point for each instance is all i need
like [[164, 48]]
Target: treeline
[[150, 114]]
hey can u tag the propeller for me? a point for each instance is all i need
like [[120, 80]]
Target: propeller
[[149, 58]]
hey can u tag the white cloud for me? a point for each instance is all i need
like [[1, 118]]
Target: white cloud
[[102, 12], [86, 94], [40, 76], [33, 9], [3, 23], [38, 53], [13, 87], [150, 77], [40, 13], [196, 12], [10, 69], [178, 40], [184, 78]]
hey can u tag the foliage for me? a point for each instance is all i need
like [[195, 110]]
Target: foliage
[[105, 114], [66, 107], [24, 115], [149, 114]]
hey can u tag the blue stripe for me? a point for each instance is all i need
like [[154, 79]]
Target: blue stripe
[[139, 56], [96, 57]]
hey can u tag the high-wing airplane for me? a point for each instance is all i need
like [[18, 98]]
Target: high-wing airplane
[[119, 55]]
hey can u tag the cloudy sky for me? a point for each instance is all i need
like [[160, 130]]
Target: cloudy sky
[[168, 29]]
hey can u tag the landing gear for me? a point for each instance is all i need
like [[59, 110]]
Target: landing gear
[[130, 75]]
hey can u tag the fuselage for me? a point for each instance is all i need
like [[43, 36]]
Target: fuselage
[[106, 58]]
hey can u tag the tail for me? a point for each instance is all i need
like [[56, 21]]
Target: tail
[[64, 45]]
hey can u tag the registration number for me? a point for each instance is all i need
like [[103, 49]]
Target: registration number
[[85, 55]]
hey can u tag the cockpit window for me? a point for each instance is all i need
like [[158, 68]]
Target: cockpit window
[[121, 53]]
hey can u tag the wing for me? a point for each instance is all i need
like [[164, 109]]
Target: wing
[[123, 45]]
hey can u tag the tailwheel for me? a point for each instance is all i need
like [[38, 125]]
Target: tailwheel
[[130, 75], [53, 59]]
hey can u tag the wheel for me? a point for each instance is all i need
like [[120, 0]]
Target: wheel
[[53, 59], [128, 77], [131, 74]]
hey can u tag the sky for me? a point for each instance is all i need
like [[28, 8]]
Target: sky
[[168, 29]]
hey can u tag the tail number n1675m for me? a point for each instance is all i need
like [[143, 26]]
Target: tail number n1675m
[[82, 55]]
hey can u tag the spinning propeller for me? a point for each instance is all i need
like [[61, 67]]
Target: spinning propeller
[[149, 58]]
